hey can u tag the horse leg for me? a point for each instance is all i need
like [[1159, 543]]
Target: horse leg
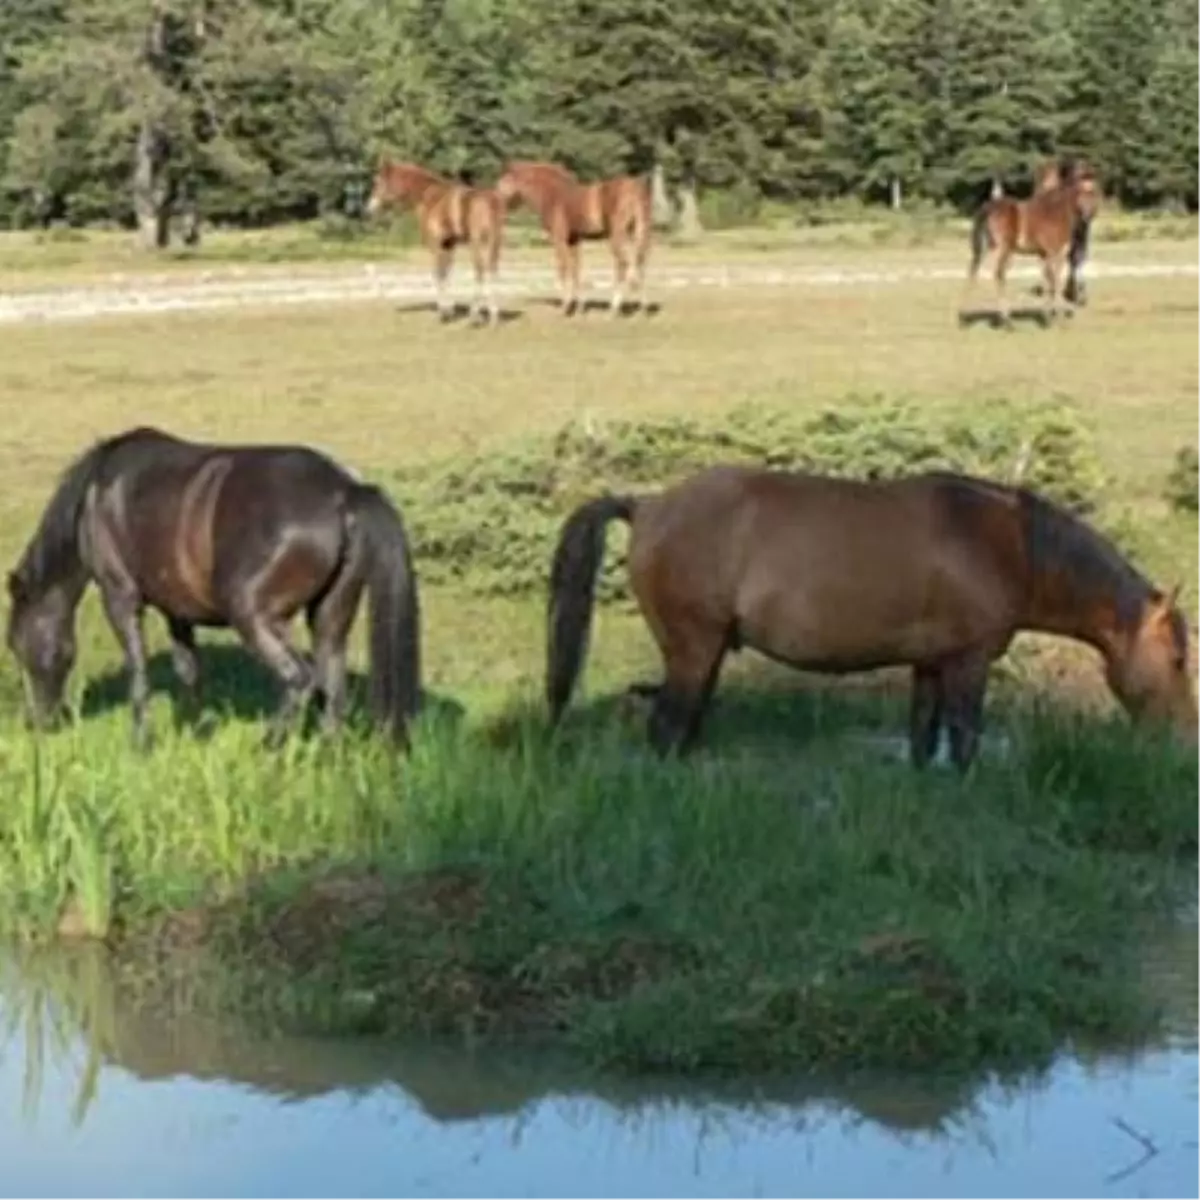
[[925, 715], [478, 310], [639, 274], [965, 681], [693, 661], [490, 263], [574, 252], [562, 266], [123, 606], [185, 660], [265, 637], [1003, 255], [443, 259], [329, 620], [1051, 265], [620, 274]]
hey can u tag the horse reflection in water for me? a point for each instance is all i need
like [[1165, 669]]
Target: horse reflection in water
[[936, 571]]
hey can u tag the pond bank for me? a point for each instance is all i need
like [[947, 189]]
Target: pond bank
[[720, 914]]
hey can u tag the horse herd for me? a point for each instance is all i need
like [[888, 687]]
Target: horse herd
[[936, 572], [450, 213], [1052, 224]]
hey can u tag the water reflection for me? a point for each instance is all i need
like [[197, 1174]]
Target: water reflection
[[99, 1097]]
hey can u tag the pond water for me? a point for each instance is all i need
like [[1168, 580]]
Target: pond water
[[100, 1100]]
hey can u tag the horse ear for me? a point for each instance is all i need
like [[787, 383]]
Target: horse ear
[[1164, 603]]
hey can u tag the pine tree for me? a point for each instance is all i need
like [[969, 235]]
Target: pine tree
[[1164, 158]]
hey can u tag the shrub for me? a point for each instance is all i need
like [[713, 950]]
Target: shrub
[[489, 522], [1183, 481]]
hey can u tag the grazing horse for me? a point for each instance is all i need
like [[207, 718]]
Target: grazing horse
[[1053, 224], [571, 212], [938, 571], [217, 535], [448, 214]]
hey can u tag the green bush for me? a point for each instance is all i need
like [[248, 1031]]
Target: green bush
[[1183, 480], [489, 522]]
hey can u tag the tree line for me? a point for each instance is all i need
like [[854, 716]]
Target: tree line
[[254, 111]]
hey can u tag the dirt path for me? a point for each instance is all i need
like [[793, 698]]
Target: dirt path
[[137, 295]]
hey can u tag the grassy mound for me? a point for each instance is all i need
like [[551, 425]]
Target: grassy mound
[[791, 896], [488, 523], [782, 900]]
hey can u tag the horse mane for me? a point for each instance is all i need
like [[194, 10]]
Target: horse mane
[[1058, 541], [53, 551], [549, 172], [413, 172]]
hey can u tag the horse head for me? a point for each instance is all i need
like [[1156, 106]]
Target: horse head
[[1147, 668], [1085, 189], [41, 636]]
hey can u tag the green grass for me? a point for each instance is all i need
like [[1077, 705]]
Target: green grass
[[793, 895], [789, 897]]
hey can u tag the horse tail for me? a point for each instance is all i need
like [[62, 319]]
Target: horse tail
[[980, 236], [573, 574], [395, 644]]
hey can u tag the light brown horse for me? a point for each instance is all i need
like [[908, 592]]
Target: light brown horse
[[938, 571], [571, 212], [448, 214], [1053, 224]]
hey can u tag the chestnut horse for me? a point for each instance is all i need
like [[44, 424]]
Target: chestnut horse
[[215, 535], [1051, 174], [938, 571], [448, 214], [1053, 224], [570, 211]]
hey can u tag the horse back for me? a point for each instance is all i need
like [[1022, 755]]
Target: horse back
[[819, 570], [178, 517]]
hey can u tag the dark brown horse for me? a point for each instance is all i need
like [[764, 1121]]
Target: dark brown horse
[[214, 535], [1052, 224], [448, 214], [571, 212], [937, 571]]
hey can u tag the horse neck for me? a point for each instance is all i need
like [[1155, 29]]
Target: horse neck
[[1080, 586], [54, 570], [413, 187]]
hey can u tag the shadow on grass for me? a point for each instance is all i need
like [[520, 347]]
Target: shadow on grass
[[596, 304], [756, 714], [236, 686], [968, 318], [459, 313]]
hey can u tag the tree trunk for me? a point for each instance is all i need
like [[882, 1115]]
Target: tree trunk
[[896, 198], [689, 226], [151, 185], [151, 195], [662, 210]]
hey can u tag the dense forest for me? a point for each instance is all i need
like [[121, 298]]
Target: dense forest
[[259, 110]]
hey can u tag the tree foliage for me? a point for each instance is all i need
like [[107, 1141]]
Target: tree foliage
[[263, 109]]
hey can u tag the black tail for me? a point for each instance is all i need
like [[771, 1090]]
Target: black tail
[[980, 238], [573, 575], [395, 638]]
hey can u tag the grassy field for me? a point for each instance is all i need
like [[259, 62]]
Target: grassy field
[[794, 892]]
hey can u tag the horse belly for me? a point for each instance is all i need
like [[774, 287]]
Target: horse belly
[[839, 621]]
